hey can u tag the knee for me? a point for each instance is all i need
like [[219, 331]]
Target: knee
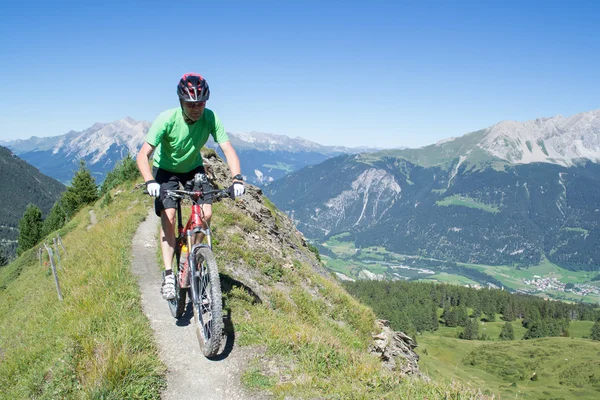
[[168, 218]]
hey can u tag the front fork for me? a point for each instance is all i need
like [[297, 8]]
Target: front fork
[[192, 267]]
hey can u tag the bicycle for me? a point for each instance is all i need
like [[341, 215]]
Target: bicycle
[[197, 273]]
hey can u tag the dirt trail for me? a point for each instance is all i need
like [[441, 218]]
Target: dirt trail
[[190, 375]]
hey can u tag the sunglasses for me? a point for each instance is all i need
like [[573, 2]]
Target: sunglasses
[[198, 104]]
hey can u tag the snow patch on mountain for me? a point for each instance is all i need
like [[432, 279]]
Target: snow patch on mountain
[[126, 134], [555, 140]]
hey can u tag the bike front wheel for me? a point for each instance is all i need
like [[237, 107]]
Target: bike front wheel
[[207, 301]]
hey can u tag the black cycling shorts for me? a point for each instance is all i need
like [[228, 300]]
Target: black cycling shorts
[[170, 181]]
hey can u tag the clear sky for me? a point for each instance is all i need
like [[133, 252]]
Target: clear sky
[[369, 73]]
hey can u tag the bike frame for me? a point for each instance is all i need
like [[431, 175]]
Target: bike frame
[[193, 226], [186, 234]]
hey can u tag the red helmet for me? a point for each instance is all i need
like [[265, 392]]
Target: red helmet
[[193, 88]]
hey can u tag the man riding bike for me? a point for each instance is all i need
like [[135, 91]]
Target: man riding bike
[[175, 138]]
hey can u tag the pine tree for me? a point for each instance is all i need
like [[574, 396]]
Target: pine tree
[[595, 333], [537, 329], [449, 317], [471, 330], [462, 315], [510, 313], [30, 228], [125, 170], [435, 323], [507, 332], [83, 191], [3, 257], [56, 219]]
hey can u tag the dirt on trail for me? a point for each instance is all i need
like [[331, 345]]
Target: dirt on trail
[[190, 375]]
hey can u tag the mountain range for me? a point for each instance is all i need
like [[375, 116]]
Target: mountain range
[[264, 157], [512, 194]]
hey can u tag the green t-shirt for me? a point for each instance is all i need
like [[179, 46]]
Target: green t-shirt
[[178, 144]]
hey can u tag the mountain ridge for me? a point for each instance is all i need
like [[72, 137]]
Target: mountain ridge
[[554, 140], [264, 156]]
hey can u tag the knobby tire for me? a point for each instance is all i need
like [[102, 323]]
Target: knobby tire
[[208, 305]]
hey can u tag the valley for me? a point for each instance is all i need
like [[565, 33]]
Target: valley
[[546, 279]]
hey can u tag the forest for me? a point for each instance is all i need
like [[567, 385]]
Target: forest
[[414, 307]]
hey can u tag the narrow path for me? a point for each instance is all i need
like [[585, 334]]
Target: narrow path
[[190, 375]]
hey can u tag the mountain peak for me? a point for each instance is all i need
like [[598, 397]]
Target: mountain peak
[[556, 140]]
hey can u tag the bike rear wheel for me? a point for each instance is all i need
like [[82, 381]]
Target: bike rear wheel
[[207, 301], [177, 305]]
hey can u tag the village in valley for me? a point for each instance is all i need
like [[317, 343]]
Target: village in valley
[[552, 283]]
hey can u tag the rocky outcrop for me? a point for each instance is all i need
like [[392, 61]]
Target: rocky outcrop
[[396, 350]]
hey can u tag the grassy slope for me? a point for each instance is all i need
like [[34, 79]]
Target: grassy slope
[[98, 344], [94, 344], [506, 368], [313, 334]]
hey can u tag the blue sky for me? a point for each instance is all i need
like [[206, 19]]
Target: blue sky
[[377, 73]]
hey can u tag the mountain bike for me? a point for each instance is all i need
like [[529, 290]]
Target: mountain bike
[[195, 268]]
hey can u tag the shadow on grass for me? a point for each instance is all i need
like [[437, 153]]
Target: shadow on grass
[[227, 285]]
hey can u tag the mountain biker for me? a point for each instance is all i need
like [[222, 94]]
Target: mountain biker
[[176, 137]]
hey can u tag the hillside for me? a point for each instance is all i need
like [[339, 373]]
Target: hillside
[[311, 339], [21, 184], [515, 215]]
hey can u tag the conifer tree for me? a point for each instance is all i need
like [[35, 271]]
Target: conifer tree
[[595, 333], [83, 191], [435, 323], [507, 332], [510, 313], [449, 317], [56, 219], [30, 228], [471, 330], [3, 257], [125, 170], [537, 329], [462, 315]]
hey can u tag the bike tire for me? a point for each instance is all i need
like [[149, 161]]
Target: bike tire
[[177, 305], [207, 302]]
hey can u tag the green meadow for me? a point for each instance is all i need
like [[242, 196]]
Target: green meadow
[[549, 368]]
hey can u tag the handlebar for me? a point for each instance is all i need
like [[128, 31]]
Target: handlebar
[[217, 194]]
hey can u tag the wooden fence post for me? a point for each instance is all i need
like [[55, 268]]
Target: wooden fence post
[[61, 244], [57, 253], [60, 297]]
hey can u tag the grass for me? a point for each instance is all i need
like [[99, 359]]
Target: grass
[[96, 343], [507, 368], [287, 168], [313, 336], [377, 259], [449, 278], [464, 201], [513, 278], [319, 339]]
